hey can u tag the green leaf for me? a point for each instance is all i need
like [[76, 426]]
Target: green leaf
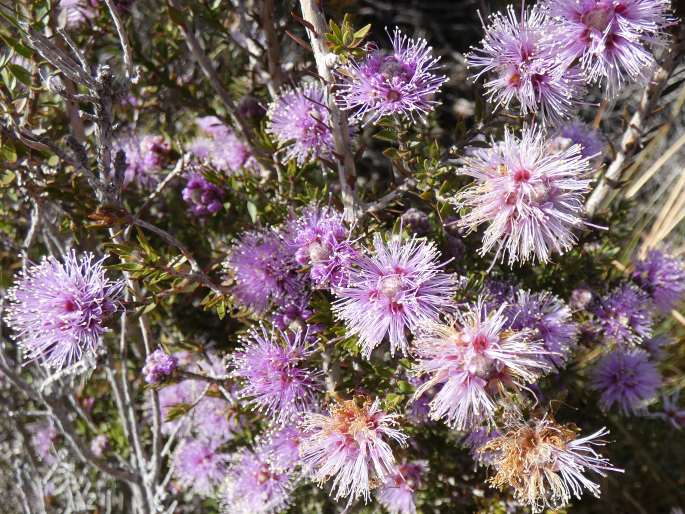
[[8, 153], [252, 211], [362, 32], [22, 74], [7, 178]]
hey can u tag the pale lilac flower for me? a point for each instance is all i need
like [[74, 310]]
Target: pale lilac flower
[[662, 277], [146, 158], [43, 438], [472, 358], [273, 374], [611, 38], [254, 485], [546, 463], [581, 298], [158, 366], [200, 465], [350, 445], [77, 12], [58, 309], [624, 315], [401, 82], [99, 445], [221, 147], [416, 222], [283, 446], [522, 59], [591, 141], [396, 494], [320, 240], [299, 122], [626, 378], [203, 197], [214, 418], [477, 439], [293, 316], [263, 269], [550, 320], [530, 196], [392, 290]]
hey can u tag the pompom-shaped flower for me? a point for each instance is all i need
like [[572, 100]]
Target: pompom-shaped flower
[[283, 446], [393, 290], [320, 240], [199, 465], [396, 495], [626, 378], [530, 196], [273, 372], [263, 270], [522, 58], [624, 315], [472, 357], [58, 309], [203, 197], [662, 277], [221, 148], [610, 38], [591, 141], [546, 464], [350, 445], [146, 157], [158, 366], [550, 320], [298, 119], [254, 485], [402, 82]]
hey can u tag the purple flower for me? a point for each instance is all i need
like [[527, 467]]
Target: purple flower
[[624, 315], [591, 141], [475, 441], [530, 196], [670, 411], [662, 277], [626, 378], [203, 197], [158, 366], [274, 377], [550, 320], [283, 446], [402, 82], [473, 357], [546, 463], [396, 495], [146, 157], [320, 240], [400, 285], [610, 38], [58, 309], [221, 148], [254, 485], [522, 58], [263, 270], [299, 122], [350, 446], [43, 438], [199, 465], [416, 221], [214, 418], [77, 12]]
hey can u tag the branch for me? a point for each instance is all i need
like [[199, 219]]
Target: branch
[[316, 28], [123, 41], [387, 199]]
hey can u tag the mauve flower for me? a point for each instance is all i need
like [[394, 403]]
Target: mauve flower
[[546, 463], [662, 277], [58, 309], [472, 358], [264, 271], [319, 239], [350, 445], [43, 438], [282, 446], [396, 494], [199, 465], [611, 38], [416, 222], [522, 58], [146, 157], [273, 374], [77, 12], [671, 411], [477, 439], [550, 320], [530, 196], [203, 197], [624, 315], [591, 141], [99, 445], [221, 147], [158, 366], [626, 378], [254, 485], [299, 122], [393, 290], [401, 82]]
